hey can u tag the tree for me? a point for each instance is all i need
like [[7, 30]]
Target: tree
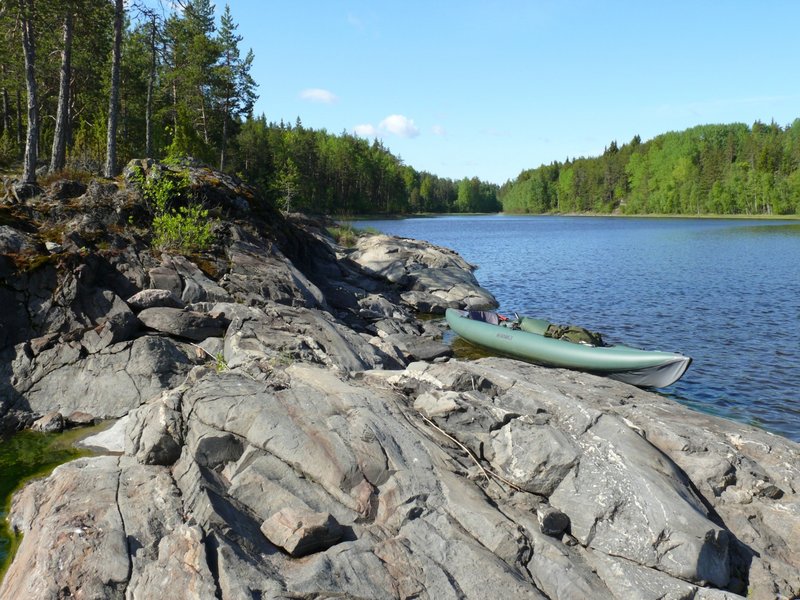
[[113, 96], [192, 56], [288, 182], [59, 152], [151, 80], [236, 86], [26, 13]]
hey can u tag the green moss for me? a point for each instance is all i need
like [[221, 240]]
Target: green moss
[[27, 263]]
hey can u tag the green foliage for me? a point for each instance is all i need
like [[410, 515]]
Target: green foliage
[[314, 171], [186, 229], [720, 169], [179, 223], [9, 152], [345, 235]]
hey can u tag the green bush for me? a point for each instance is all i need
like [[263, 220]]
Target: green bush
[[346, 235], [184, 229]]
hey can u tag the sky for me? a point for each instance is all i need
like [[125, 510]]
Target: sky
[[464, 88]]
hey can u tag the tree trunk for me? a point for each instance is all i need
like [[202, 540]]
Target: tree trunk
[[6, 124], [148, 113], [6, 112], [203, 115], [113, 99], [58, 156], [19, 118], [174, 109], [224, 136], [28, 48]]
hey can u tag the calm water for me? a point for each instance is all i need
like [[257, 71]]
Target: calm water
[[725, 292]]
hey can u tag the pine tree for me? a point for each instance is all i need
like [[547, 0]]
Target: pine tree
[[236, 87]]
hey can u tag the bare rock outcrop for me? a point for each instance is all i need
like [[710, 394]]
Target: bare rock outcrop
[[317, 442], [429, 277]]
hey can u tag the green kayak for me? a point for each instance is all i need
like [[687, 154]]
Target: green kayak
[[524, 339]]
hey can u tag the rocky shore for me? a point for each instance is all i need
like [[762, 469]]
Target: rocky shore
[[287, 427]]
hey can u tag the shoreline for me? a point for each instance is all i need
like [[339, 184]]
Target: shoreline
[[291, 421]]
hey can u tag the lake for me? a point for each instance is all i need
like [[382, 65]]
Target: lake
[[724, 291]]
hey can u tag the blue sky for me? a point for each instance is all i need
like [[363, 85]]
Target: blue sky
[[489, 88]]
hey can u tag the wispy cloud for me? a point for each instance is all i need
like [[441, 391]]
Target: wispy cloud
[[356, 21], [712, 106], [493, 132], [439, 130], [318, 95]]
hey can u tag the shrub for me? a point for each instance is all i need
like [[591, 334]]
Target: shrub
[[346, 235], [184, 228]]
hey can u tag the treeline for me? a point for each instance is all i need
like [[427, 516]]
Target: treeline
[[710, 169], [89, 84], [314, 171]]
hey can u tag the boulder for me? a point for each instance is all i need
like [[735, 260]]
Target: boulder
[[184, 324], [155, 298], [260, 273], [302, 532], [281, 335], [52, 422], [430, 278], [64, 189], [552, 521]]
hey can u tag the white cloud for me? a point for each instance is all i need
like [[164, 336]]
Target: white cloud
[[366, 130], [399, 125], [439, 130], [318, 95]]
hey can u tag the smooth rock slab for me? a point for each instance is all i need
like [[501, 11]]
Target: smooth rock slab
[[59, 513], [302, 532]]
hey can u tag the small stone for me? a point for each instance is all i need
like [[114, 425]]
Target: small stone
[[302, 532], [79, 418], [52, 422], [552, 521]]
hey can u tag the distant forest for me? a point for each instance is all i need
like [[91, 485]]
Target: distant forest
[[86, 85], [710, 169]]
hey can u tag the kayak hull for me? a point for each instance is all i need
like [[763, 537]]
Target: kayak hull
[[642, 368]]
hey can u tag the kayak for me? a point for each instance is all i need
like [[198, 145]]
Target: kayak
[[524, 338]]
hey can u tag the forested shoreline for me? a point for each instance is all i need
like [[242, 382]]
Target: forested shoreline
[[709, 169], [87, 85]]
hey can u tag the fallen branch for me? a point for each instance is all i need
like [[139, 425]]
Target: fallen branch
[[486, 472]]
